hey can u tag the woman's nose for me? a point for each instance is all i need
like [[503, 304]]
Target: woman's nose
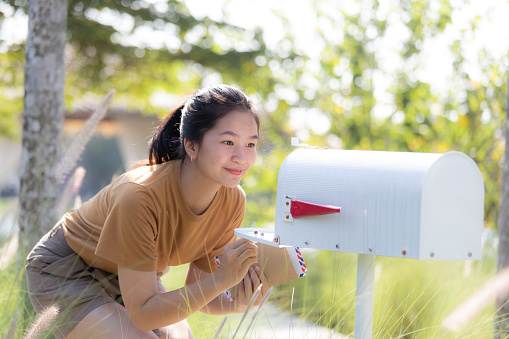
[[239, 155]]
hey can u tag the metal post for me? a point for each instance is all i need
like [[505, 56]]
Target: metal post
[[364, 296]]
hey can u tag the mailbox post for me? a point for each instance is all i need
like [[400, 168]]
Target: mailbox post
[[364, 296], [423, 206]]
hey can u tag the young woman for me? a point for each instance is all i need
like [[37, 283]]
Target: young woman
[[102, 262]]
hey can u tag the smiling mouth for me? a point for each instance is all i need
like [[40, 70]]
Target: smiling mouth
[[234, 171]]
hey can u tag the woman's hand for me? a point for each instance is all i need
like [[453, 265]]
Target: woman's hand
[[237, 258], [247, 287]]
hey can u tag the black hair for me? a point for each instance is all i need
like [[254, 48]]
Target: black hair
[[194, 118]]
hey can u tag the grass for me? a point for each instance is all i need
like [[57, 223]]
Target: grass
[[10, 296], [411, 300]]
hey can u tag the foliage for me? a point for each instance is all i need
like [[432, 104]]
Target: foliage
[[101, 55], [11, 92]]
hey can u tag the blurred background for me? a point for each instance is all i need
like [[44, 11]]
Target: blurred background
[[393, 75]]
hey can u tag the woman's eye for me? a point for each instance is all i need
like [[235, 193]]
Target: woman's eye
[[229, 143], [251, 145]]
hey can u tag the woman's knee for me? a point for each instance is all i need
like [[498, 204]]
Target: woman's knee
[[108, 321], [180, 330]]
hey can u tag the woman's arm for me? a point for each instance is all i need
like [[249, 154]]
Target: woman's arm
[[246, 288], [148, 309]]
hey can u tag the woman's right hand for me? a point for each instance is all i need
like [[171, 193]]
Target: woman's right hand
[[236, 260]]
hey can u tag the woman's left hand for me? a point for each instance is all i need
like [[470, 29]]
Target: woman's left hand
[[247, 287]]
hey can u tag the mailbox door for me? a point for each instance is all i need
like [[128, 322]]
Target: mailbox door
[[452, 210]]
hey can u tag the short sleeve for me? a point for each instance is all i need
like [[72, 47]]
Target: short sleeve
[[130, 230], [208, 263]]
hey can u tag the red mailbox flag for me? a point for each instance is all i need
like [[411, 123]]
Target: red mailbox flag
[[300, 209]]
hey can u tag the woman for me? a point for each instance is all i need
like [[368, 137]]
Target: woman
[[102, 262]]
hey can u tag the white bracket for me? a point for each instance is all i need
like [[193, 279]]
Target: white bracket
[[262, 235], [287, 215]]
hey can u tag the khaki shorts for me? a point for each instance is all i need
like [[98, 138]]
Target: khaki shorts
[[56, 275]]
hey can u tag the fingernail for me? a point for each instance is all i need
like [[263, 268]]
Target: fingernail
[[251, 269]]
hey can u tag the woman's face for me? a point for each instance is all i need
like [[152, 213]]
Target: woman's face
[[228, 150]]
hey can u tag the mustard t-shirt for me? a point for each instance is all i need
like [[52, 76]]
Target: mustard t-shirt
[[141, 221]]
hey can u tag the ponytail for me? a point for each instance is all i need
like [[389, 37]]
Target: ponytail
[[165, 144]]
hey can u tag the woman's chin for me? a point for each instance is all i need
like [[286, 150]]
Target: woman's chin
[[232, 183]]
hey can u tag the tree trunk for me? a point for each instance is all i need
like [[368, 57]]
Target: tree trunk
[[502, 305], [43, 117]]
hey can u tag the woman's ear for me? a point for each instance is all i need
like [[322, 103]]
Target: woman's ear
[[191, 148]]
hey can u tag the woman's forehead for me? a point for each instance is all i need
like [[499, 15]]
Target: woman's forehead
[[236, 123]]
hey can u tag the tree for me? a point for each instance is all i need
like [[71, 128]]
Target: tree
[[42, 118], [502, 305]]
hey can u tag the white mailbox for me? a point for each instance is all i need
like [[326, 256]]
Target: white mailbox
[[423, 206], [414, 205]]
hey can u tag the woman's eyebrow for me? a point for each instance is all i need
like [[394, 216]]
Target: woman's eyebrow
[[233, 134]]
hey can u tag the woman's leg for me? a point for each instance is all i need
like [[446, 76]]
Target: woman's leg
[[112, 321], [180, 330], [108, 321]]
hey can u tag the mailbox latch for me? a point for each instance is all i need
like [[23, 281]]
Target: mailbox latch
[[295, 209]]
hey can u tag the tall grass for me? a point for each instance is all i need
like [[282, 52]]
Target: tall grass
[[411, 299], [11, 296]]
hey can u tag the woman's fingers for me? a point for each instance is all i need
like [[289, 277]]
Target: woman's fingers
[[248, 258], [237, 243], [254, 278], [237, 258], [256, 284], [263, 278], [241, 242], [243, 288], [243, 252], [248, 284], [247, 247]]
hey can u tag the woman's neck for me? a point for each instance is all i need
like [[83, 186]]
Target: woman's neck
[[198, 191]]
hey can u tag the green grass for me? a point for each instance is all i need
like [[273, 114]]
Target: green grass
[[11, 294], [411, 300]]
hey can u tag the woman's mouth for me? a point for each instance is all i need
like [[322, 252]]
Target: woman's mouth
[[234, 171]]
